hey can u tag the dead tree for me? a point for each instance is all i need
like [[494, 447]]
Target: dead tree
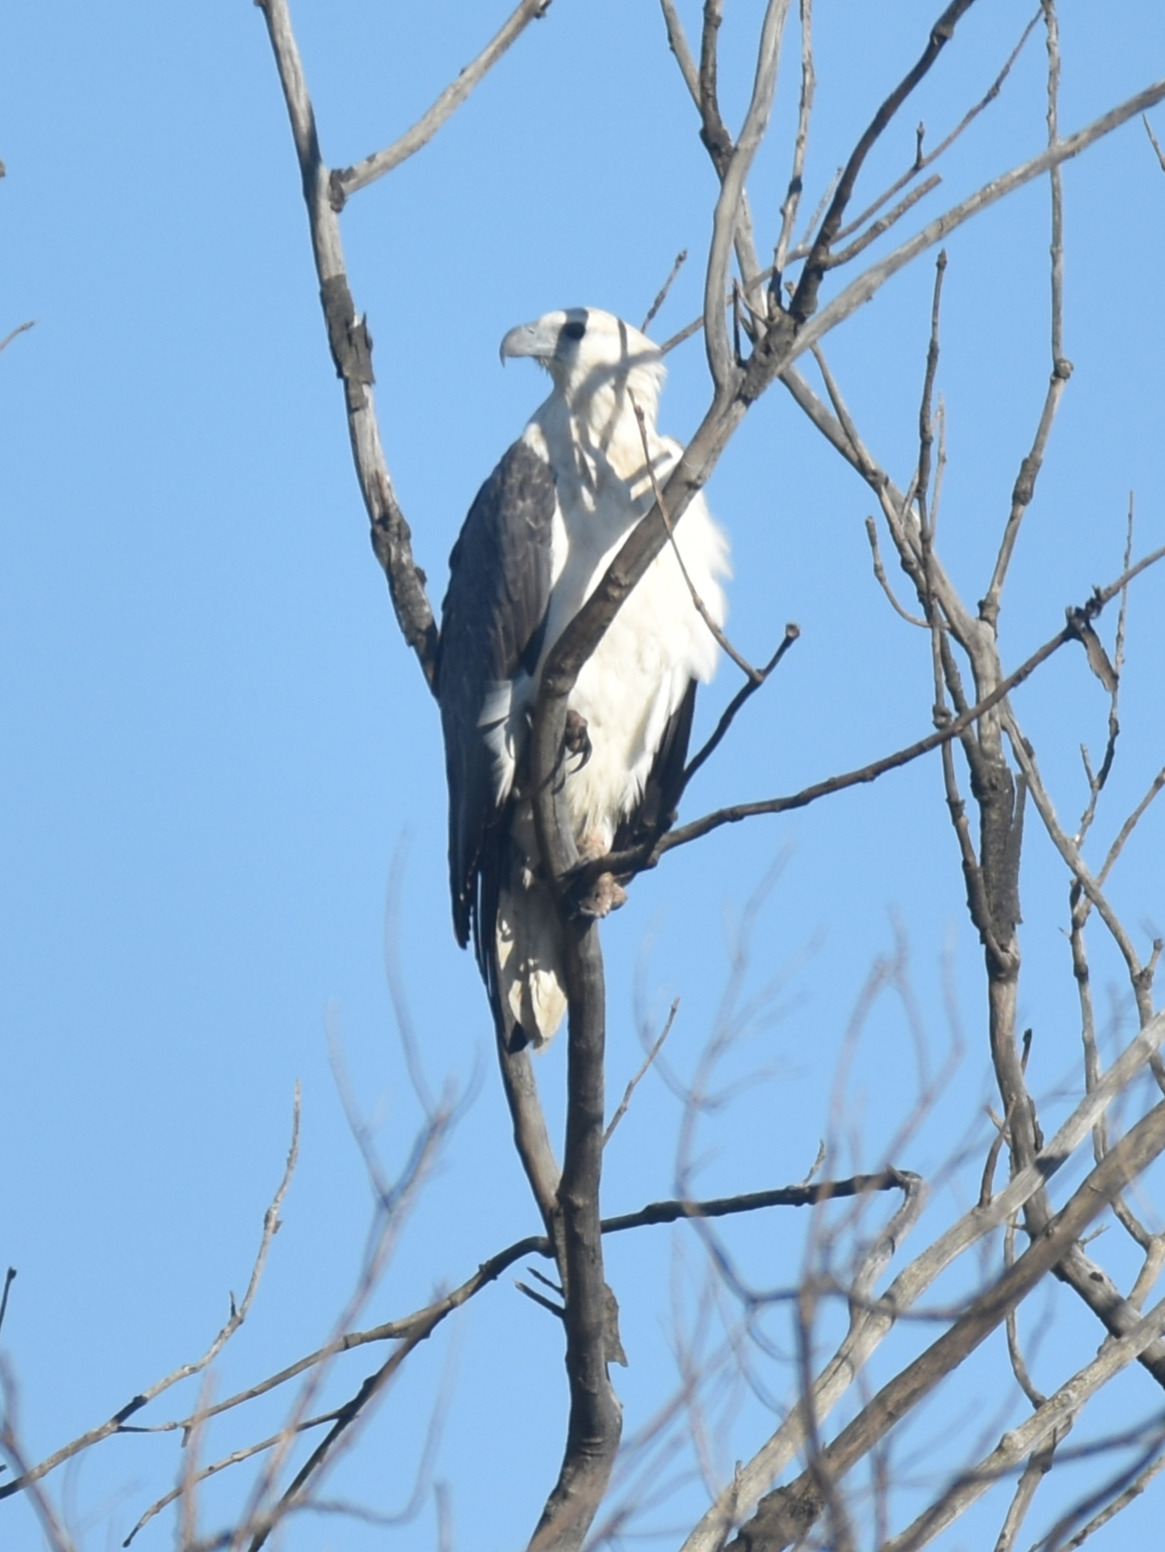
[[764, 320]]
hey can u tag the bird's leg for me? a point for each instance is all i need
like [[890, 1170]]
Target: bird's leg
[[603, 895]]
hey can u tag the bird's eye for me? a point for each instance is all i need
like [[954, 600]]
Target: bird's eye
[[573, 330]]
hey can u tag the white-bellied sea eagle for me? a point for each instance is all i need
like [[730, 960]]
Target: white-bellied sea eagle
[[539, 537]]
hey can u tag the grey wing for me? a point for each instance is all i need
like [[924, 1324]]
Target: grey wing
[[492, 624]]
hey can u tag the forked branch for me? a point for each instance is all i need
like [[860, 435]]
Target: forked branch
[[345, 181]]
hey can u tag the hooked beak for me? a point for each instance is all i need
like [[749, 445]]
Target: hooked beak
[[538, 339]]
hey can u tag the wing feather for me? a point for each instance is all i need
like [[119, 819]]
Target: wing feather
[[655, 811], [493, 622]]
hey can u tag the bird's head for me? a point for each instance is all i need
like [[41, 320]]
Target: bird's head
[[586, 350]]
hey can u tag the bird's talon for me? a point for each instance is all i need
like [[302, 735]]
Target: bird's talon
[[600, 898], [576, 739]]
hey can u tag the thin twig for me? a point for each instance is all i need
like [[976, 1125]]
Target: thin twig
[[636, 859], [746, 691], [264, 1509], [784, 1196], [756, 1476], [883, 224], [922, 162], [188, 1480], [1150, 1452], [987, 1182], [1129, 826], [19, 329], [1133, 1490], [205, 1472], [926, 425], [730, 215], [796, 176], [1014, 1351], [1033, 1474], [721, 639], [661, 295], [657, 1046], [56, 1536], [117, 1423], [1153, 140], [678, 43], [841, 410], [804, 302], [9, 1278], [1096, 783], [881, 578], [1025, 757], [1025, 482]]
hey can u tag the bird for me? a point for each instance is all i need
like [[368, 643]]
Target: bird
[[538, 539]]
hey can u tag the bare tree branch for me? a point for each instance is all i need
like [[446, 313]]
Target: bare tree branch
[[662, 294], [745, 693], [869, 1326], [1061, 367], [57, 1538], [921, 162], [804, 302], [866, 285], [634, 1082], [883, 224], [1055, 1415], [9, 1278], [793, 193], [881, 579], [12, 333], [351, 347], [239, 1312], [1133, 1490], [772, 359], [1153, 140], [346, 181], [569, 1202], [635, 860], [729, 205], [785, 1515]]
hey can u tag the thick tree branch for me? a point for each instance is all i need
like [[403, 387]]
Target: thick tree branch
[[595, 1420], [351, 347], [1052, 1418], [730, 202]]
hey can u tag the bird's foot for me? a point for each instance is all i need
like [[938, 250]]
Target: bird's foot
[[602, 896], [576, 740]]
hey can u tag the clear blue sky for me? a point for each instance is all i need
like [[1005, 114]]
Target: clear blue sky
[[217, 754]]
